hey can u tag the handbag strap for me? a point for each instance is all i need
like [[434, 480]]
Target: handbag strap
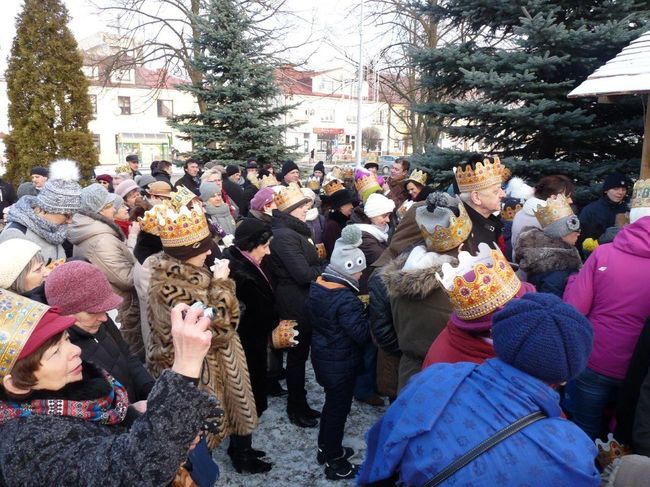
[[484, 446]]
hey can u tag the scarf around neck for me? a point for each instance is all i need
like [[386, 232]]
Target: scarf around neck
[[108, 409], [331, 273], [378, 233], [23, 212]]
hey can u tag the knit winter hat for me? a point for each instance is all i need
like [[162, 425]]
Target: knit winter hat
[[319, 166], [94, 198], [207, 190], [39, 171], [125, 187], [262, 198], [346, 257], [289, 166], [377, 205], [61, 194], [615, 180], [118, 201], [16, 254], [543, 336], [232, 169], [556, 217], [251, 233], [146, 180], [80, 286]]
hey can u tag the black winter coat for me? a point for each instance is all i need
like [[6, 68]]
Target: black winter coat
[[7, 195], [293, 263], [598, 216], [108, 350], [484, 230], [188, 182], [334, 224], [236, 193], [381, 316], [257, 321], [161, 175], [340, 329], [52, 450]]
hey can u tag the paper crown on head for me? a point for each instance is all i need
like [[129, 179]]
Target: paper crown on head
[[175, 223], [332, 187], [479, 284], [482, 176], [313, 183], [641, 194], [419, 177], [347, 172], [366, 183], [510, 210], [556, 208], [335, 174], [123, 167], [289, 198], [438, 237], [269, 180]]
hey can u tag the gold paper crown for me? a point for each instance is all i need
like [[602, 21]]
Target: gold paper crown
[[492, 285], [313, 183], [418, 177], [181, 197], [348, 172], [556, 207], [268, 181], [641, 194], [284, 335], [289, 197], [18, 319], [176, 228], [123, 167], [442, 239], [484, 175], [366, 182], [508, 213], [335, 174], [332, 187]]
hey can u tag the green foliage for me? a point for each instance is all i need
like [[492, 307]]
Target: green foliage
[[238, 94], [505, 86], [49, 108]]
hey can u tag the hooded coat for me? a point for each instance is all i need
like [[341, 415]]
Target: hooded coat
[[41, 450], [448, 409], [102, 243], [225, 373], [420, 309], [621, 270], [548, 262]]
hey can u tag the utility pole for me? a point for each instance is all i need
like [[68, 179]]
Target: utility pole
[[357, 145]]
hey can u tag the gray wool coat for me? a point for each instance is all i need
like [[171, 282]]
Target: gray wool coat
[[53, 450]]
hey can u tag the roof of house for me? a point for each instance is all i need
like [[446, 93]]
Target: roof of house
[[628, 73]]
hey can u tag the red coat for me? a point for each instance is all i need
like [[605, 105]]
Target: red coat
[[455, 345]]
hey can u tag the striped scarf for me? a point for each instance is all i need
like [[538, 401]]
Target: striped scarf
[[110, 409]]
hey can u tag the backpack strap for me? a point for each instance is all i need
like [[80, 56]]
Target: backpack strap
[[484, 446]]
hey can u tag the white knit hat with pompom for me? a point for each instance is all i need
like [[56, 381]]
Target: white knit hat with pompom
[[62, 193]]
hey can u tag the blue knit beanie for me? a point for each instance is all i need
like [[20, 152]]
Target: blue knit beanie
[[543, 336]]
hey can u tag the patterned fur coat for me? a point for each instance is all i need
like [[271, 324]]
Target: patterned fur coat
[[225, 372]]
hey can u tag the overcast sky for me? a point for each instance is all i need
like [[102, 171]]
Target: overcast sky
[[336, 26]]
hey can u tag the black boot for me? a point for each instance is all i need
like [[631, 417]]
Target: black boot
[[299, 418], [340, 469], [320, 456], [311, 413], [245, 461]]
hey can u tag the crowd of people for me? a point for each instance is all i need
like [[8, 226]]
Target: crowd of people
[[504, 331]]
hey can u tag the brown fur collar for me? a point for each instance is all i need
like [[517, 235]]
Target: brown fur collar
[[414, 284], [172, 272], [538, 253]]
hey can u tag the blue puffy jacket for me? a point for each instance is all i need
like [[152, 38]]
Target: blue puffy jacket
[[340, 328]]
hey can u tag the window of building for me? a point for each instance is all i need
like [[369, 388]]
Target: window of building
[[326, 86], [121, 76], [97, 143], [93, 103], [327, 115], [378, 117], [124, 103], [351, 117], [165, 108]]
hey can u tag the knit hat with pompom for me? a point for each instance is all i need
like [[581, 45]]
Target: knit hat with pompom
[[61, 194], [346, 257]]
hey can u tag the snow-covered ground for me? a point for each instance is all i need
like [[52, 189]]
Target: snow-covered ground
[[292, 449]]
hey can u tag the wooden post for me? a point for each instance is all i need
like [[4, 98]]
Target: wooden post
[[645, 154]]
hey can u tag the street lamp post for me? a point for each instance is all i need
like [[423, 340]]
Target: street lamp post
[[357, 144]]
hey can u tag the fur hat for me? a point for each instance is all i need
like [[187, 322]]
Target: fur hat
[[251, 233], [80, 286], [61, 194], [94, 198], [543, 336], [377, 205], [346, 257], [17, 253], [517, 188]]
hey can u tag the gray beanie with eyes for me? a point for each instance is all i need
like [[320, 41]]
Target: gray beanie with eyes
[[346, 257]]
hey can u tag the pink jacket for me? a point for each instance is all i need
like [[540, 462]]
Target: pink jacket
[[612, 291]]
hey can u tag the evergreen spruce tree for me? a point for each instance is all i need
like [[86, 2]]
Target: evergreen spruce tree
[[49, 108], [505, 86], [238, 94]]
